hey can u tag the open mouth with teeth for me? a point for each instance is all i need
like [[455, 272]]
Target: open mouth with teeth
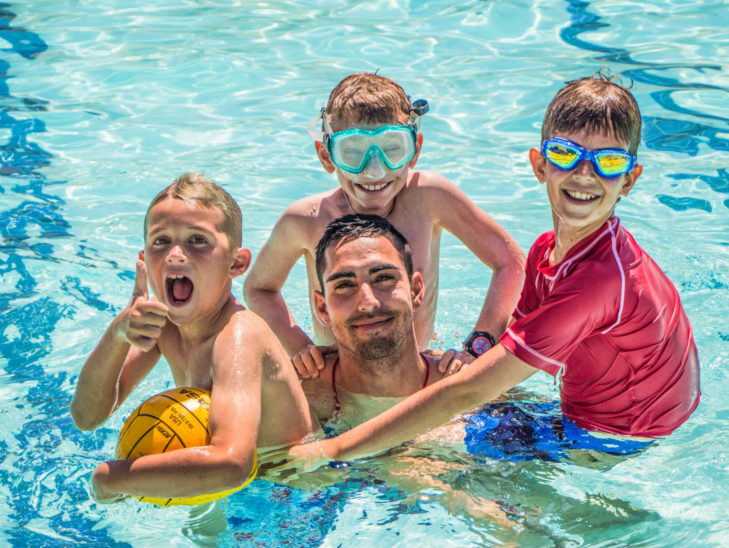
[[580, 196], [372, 187], [179, 289]]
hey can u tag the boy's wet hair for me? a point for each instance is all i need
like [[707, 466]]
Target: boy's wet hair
[[596, 104], [197, 189], [361, 225], [367, 98]]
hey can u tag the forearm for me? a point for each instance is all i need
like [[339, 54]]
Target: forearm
[[182, 473], [491, 374], [270, 305], [501, 298], [97, 389]]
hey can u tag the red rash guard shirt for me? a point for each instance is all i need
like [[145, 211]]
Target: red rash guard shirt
[[609, 321]]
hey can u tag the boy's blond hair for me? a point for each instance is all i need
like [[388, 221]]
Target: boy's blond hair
[[197, 189], [369, 98], [597, 104]]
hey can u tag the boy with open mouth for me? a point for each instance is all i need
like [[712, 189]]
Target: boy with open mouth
[[192, 234]]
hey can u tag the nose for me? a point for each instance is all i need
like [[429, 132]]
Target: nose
[[367, 301], [375, 169], [585, 167], [176, 255]]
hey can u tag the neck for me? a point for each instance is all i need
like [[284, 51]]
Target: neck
[[566, 236], [208, 325], [398, 375], [384, 212]]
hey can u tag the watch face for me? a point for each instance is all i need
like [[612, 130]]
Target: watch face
[[480, 345]]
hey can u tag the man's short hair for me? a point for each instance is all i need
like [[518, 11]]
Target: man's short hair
[[360, 225], [197, 189], [367, 98], [597, 104]]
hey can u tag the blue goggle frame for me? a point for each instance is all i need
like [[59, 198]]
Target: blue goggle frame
[[372, 150], [599, 158]]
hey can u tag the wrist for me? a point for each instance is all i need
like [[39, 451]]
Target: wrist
[[479, 342]]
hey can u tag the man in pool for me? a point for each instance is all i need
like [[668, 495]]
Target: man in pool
[[369, 295], [192, 234], [595, 309], [368, 135]]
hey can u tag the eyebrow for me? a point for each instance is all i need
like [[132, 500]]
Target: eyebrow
[[349, 274]]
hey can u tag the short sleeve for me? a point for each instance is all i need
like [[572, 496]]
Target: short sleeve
[[577, 307]]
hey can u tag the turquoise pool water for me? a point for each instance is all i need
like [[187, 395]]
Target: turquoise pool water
[[104, 103]]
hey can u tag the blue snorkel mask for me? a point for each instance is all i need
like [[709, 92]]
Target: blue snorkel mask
[[352, 149]]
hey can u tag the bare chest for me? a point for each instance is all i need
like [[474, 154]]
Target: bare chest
[[190, 366]]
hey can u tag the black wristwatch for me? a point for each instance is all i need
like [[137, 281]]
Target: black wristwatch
[[478, 342]]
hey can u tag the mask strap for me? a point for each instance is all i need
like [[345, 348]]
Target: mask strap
[[418, 108], [318, 128]]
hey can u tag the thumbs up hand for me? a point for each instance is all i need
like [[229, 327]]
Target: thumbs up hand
[[141, 322]]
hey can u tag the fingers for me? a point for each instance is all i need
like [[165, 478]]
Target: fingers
[[140, 281], [452, 361], [445, 360], [311, 359], [305, 362]]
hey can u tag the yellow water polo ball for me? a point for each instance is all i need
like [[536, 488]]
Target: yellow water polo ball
[[171, 420]]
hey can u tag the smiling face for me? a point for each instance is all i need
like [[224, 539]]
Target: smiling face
[[581, 199], [368, 299], [375, 188], [190, 260]]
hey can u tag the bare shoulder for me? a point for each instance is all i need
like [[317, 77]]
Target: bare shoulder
[[432, 185], [245, 328], [315, 209]]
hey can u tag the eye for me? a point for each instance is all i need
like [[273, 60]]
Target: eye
[[343, 285], [383, 277], [161, 240], [198, 239]]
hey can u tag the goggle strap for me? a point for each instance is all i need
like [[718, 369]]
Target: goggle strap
[[320, 120]]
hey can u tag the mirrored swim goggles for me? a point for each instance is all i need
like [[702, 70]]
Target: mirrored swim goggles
[[352, 149], [608, 162]]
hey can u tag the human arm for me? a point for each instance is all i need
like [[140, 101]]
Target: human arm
[[483, 236], [268, 274], [124, 355], [233, 423], [488, 376]]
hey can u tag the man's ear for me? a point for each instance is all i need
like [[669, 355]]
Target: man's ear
[[630, 179], [241, 262], [417, 289], [539, 165], [418, 146], [324, 158], [320, 306]]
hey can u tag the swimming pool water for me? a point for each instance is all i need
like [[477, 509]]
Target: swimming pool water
[[104, 103]]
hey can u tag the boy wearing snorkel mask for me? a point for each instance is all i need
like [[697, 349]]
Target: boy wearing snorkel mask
[[368, 136], [595, 312]]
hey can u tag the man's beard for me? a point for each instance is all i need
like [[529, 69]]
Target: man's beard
[[380, 347]]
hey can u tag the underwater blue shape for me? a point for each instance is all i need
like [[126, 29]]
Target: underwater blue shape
[[664, 99], [683, 203], [73, 286], [14, 222], [25, 43], [718, 184]]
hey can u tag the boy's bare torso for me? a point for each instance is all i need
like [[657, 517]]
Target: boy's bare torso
[[285, 413]]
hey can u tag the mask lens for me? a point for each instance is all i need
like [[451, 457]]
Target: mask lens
[[352, 149], [613, 163], [562, 155]]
